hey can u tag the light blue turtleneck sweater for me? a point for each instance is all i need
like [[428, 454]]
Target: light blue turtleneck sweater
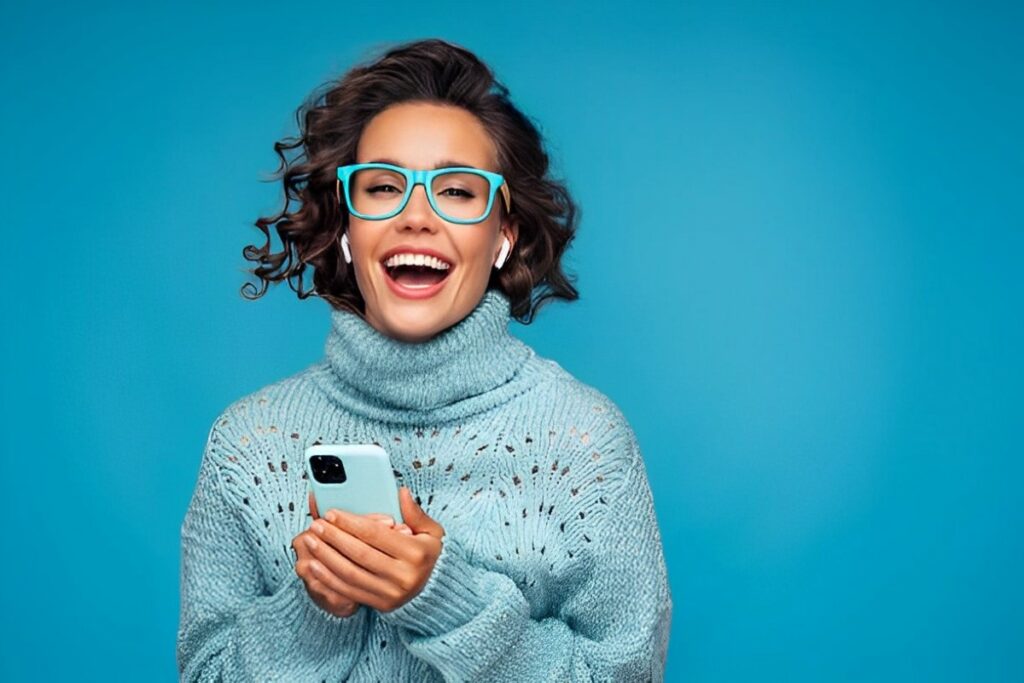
[[552, 565]]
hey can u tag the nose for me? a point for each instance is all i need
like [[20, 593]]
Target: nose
[[418, 212]]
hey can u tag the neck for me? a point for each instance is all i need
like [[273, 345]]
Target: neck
[[468, 367]]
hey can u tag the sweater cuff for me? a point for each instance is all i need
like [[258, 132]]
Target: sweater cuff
[[451, 597]]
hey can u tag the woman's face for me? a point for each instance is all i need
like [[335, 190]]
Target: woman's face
[[425, 136]]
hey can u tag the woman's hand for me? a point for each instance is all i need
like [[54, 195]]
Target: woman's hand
[[313, 573], [369, 563]]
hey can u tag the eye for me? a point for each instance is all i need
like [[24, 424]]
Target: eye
[[457, 192], [382, 189]]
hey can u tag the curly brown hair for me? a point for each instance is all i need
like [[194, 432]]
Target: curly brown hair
[[331, 121]]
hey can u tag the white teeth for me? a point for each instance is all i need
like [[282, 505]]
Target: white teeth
[[416, 260]]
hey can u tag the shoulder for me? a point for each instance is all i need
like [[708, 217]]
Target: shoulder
[[584, 413], [581, 401], [590, 442], [263, 410], [257, 434]]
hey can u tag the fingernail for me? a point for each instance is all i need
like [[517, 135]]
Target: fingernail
[[318, 528], [310, 543], [330, 516]]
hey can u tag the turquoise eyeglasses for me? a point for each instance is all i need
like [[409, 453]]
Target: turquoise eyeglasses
[[458, 194]]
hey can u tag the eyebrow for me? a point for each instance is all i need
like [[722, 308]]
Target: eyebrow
[[444, 163]]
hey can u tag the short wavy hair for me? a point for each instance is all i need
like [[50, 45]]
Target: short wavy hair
[[330, 123]]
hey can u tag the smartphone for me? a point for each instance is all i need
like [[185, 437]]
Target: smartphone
[[353, 477]]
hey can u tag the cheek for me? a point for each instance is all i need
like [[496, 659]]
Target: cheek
[[359, 240], [357, 231], [476, 251]]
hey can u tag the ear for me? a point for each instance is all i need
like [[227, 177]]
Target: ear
[[509, 230]]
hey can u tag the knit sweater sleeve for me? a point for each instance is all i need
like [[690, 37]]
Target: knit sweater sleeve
[[611, 624], [230, 628]]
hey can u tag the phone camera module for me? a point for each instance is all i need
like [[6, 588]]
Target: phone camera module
[[328, 469]]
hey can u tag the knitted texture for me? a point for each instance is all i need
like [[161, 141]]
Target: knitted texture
[[551, 568]]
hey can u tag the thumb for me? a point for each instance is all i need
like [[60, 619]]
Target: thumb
[[414, 516]]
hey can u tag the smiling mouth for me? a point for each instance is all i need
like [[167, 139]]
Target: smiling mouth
[[416, 277]]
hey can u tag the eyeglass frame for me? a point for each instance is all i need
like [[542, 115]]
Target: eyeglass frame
[[424, 177]]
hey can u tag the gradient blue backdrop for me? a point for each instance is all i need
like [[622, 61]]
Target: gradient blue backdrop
[[799, 262]]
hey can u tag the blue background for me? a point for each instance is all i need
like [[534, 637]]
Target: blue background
[[799, 262]]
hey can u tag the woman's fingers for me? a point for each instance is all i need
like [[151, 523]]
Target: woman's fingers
[[368, 534], [361, 587], [376, 516], [321, 586], [351, 548], [326, 578], [381, 517], [375, 589], [299, 545], [330, 600], [390, 521]]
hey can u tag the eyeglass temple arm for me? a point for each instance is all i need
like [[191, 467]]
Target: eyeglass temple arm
[[505, 193]]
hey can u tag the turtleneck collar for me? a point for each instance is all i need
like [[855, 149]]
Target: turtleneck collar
[[466, 368]]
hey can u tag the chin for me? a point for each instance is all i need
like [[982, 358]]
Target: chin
[[415, 320]]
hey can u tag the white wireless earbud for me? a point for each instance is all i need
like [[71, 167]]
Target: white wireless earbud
[[344, 248], [503, 254]]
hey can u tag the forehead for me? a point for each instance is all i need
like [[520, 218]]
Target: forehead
[[422, 135]]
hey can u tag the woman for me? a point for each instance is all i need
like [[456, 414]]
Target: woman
[[529, 549]]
